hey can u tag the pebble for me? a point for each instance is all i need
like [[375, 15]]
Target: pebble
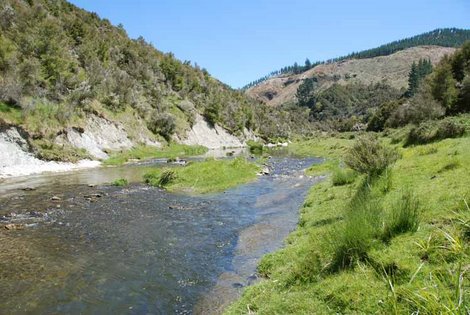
[[55, 198]]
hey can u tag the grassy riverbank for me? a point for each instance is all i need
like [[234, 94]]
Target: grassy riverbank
[[204, 177], [149, 152], [396, 243]]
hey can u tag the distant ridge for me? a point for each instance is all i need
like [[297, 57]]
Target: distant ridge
[[445, 37]]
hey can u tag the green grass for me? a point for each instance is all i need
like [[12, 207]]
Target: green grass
[[11, 114], [204, 177], [342, 176], [121, 182], [373, 247], [149, 152]]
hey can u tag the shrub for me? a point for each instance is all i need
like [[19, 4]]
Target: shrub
[[420, 108], [430, 131], [163, 124], [343, 176], [255, 147], [380, 117], [369, 156], [403, 216], [120, 182], [160, 179]]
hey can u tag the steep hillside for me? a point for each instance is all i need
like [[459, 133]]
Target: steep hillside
[[392, 70], [71, 81]]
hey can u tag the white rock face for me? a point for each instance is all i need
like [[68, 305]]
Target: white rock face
[[215, 137], [98, 135], [15, 160]]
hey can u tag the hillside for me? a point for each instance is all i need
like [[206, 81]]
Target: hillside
[[392, 70], [444, 37], [72, 82]]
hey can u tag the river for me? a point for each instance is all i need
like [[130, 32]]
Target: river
[[92, 248]]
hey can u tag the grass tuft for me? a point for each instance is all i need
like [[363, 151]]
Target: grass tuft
[[121, 182], [403, 216]]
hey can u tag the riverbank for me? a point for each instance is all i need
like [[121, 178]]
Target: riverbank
[[422, 267]]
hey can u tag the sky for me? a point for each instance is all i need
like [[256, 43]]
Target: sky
[[243, 40]]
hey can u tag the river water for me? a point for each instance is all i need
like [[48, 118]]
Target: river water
[[138, 249]]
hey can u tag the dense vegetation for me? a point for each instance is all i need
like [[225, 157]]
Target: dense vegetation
[[353, 106], [59, 63], [445, 91], [447, 37]]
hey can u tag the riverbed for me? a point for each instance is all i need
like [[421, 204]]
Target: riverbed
[[87, 247]]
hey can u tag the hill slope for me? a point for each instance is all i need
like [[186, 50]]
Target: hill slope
[[444, 37], [71, 80], [392, 70]]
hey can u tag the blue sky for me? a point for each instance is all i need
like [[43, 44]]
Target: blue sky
[[240, 41]]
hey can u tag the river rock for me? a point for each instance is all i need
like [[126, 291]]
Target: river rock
[[55, 198], [12, 227]]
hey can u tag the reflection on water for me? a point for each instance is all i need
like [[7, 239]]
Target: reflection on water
[[137, 249]]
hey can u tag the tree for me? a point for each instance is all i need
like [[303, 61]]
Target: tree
[[308, 64], [305, 93]]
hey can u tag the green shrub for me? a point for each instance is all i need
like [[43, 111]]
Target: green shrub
[[430, 131], [403, 216], [163, 124], [120, 182], [369, 156], [160, 179], [343, 176], [255, 147]]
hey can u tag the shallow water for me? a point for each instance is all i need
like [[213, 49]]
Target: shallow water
[[139, 250]]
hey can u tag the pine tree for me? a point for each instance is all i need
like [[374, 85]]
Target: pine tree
[[413, 80]]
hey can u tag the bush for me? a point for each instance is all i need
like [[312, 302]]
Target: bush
[[160, 179], [369, 156], [403, 216], [430, 131], [343, 176], [420, 108], [255, 147], [163, 124], [120, 182]]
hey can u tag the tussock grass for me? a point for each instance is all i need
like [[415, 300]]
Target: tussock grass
[[342, 176], [403, 216]]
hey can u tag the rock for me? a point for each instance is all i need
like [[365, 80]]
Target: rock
[[91, 185], [28, 188], [36, 214], [95, 195], [12, 227], [237, 285], [265, 171], [55, 198]]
